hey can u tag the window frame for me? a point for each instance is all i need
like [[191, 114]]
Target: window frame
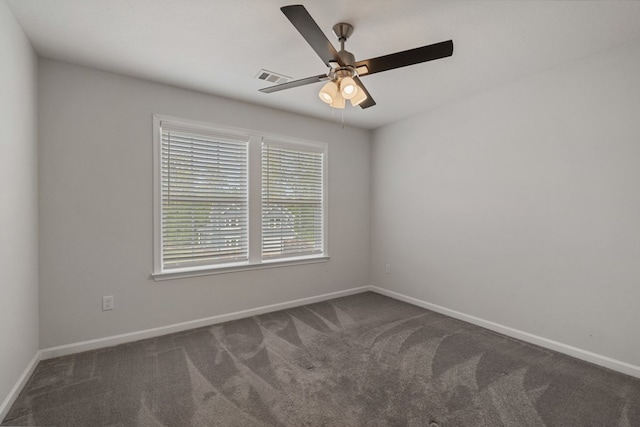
[[254, 170]]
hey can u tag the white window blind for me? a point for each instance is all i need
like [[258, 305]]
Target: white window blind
[[204, 197], [292, 200]]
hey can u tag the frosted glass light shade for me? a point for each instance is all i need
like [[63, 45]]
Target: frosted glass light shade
[[359, 98], [329, 92], [338, 101], [348, 88]]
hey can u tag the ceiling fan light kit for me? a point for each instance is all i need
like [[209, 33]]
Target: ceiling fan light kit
[[344, 72], [340, 89]]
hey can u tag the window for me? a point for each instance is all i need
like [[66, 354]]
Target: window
[[204, 193], [292, 200], [228, 199]]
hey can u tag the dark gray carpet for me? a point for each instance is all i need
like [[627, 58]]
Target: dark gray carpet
[[363, 360]]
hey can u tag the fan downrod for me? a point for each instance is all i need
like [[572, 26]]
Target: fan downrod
[[343, 31]]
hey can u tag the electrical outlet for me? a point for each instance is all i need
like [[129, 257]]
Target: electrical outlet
[[107, 303], [387, 268]]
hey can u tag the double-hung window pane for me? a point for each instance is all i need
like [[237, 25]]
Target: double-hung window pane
[[292, 200], [204, 196]]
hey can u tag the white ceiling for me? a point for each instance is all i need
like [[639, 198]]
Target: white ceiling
[[218, 46]]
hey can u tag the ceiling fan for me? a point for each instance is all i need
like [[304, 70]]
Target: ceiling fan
[[344, 71]]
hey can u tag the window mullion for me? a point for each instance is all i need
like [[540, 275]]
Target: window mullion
[[255, 207]]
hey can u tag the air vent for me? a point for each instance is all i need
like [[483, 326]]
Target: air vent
[[272, 77]]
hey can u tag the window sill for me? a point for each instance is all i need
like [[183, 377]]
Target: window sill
[[207, 271]]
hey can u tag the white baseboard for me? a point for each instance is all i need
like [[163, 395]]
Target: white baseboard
[[17, 388], [598, 359], [78, 347]]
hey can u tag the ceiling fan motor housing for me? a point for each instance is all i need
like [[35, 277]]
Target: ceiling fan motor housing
[[347, 57]]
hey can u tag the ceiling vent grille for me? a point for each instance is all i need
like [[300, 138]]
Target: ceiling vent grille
[[272, 77]]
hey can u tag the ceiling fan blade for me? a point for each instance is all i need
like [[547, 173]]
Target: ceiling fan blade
[[312, 33], [369, 102], [295, 83], [406, 57]]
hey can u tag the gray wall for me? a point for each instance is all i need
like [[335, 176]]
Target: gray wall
[[19, 198], [520, 205], [96, 208]]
